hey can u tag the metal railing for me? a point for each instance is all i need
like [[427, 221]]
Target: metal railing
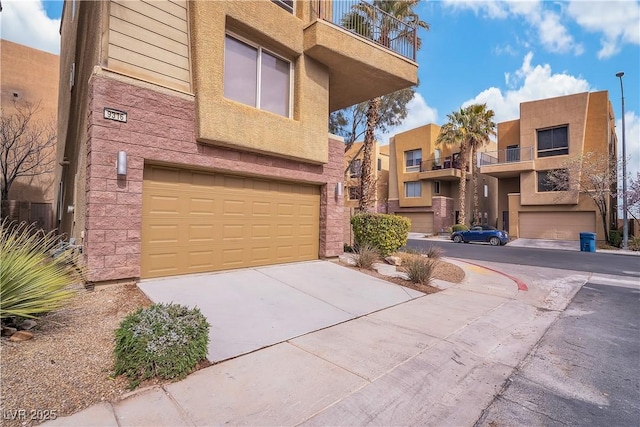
[[449, 162], [370, 22], [508, 155]]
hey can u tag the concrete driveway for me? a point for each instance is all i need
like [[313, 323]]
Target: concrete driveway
[[250, 309]]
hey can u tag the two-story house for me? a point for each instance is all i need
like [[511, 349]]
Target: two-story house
[[424, 182], [194, 133], [548, 132]]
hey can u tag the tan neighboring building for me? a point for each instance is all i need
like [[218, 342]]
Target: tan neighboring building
[[424, 182], [548, 132], [29, 75], [380, 172], [194, 133]]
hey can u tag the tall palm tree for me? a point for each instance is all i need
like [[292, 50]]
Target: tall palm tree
[[481, 128], [396, 25]]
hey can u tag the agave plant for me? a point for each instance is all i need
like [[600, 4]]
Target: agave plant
[[32, 282]]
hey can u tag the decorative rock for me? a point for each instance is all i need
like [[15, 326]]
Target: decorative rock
[[394, 260], [27, 324], [21, 336], [7, 331]]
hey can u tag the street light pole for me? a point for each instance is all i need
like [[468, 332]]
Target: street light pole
[[625, 226]]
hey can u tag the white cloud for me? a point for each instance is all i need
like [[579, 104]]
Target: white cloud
[[26, 22], [616, 20], [528, 83], [419, 114]]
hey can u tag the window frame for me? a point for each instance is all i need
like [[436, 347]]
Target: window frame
[[258, 73], [406, 188], [413, 167], [553, 151], [436, 187], [546, 188], [355, 168], [284, 4], [353, 191]]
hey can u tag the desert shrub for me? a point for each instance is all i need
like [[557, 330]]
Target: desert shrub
[[434, 253], [366, 255], [32, 282], [163, 340], [615, 238], [385, 232], [419, 269], [459, 227], [347, 248], [634, 243]]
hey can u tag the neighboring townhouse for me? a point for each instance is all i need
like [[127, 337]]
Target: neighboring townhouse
[[31, 76], [548, 132], [352, 169], [195, 132], [424, 182]]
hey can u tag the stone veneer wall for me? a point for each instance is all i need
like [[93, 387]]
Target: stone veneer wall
[[443, 217], [161, 129]]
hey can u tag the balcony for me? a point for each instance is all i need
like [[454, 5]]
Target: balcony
[[443, 169], [507, 163], [369, 53]]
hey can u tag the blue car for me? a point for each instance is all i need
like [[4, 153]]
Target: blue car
[[481, 233]]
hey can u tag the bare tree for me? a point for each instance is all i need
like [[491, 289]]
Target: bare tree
[[591, 174], [633, 193], [27, 145]]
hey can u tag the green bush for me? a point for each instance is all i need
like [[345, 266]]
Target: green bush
[[615, 238], [459, 227], [385, 232], [419, 269], [163, 340], [32, 282]]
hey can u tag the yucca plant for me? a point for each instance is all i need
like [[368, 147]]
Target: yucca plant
[[32, 282]]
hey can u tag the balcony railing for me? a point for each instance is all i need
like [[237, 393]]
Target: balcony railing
[[370, 22], [450, 162], [509, 155]]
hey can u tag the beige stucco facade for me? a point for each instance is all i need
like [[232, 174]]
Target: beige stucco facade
[[163, 65], [589, 120], [30, 76]]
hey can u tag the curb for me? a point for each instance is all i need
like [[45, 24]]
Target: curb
[[521, 285]]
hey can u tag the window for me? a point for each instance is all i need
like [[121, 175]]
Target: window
[[437, 154], [285, 4], [256, 77], [355, 169], [436, 187], [379, 164], [413, 189], [553, 142], [513, 153], [558, 182], [412, 159], [354, 193]]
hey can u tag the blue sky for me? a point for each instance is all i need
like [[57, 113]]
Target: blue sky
[[498, 52]]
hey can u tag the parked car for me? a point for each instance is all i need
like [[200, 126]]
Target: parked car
[[481, 233]]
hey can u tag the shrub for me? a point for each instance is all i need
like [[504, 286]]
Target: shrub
[[32, 282], [615, 238], [385, 232], [434, 253], [366, 255], [419, 269], [634, 244], [459, 227], [163, 340]]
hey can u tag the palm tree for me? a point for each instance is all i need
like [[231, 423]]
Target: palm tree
[[481, 128], [398, 24]]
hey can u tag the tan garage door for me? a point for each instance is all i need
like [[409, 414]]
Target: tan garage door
[[196, 222], [421, 222], [555, 225]]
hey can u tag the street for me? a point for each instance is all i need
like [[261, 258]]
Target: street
[[602, 263]]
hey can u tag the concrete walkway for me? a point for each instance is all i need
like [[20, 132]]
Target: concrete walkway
[[431, 360]]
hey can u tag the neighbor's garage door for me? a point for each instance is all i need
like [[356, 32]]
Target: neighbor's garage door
[[197, 222], [556, 225], [421, 222]]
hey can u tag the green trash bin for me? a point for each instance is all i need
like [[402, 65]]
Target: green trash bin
[[587, 242]]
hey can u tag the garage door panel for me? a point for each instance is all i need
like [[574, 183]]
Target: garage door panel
[[421, 222], [202, 225], [555, 225]]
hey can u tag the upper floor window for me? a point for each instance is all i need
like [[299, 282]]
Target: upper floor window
[[437, 161], [354, 193], [413, 189], [553, 142], [355, 170], [412, 159], [285, 4], [256, 77], [436, 187], [379, 164], [553, 180], [513, 153]]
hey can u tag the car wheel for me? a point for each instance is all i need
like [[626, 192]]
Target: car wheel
[[494, 241], [457, 239]]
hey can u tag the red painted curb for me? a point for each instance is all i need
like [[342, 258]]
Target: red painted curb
[[521, 285]]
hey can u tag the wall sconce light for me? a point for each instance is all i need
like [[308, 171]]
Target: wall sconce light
[[339, 190], [121, 164]]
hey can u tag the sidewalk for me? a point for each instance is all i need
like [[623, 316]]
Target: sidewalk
[[434, 360]]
